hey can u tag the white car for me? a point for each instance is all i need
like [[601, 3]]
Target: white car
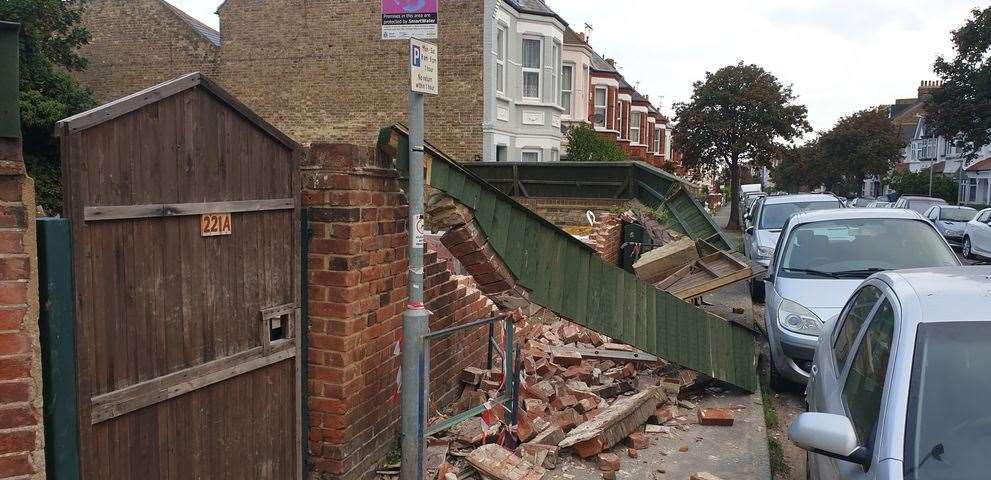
[[900, 382], [977, 236]]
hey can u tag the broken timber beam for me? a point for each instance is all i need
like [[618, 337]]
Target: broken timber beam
[[614, 424], [604, 354]]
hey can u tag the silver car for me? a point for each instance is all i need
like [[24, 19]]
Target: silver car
[[917, 203], [951, 221], [821, 258], [900, 383], [977, 236], [765, 220]]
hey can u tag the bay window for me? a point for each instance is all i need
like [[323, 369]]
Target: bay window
[[555, 71], [634, 127], [532, 60], [500, 51], [567, 86], [657, 140], [599, 102]]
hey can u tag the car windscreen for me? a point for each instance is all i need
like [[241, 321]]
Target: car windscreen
[[948, 425], [922, 204], [859, 247], [957, 214], [773, 216]]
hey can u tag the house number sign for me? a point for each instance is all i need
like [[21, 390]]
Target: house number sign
[[213, 224]]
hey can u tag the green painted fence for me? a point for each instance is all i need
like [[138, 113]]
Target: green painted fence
[[565, 275]]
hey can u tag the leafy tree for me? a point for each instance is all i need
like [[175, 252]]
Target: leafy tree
[[961, 107], [796, 170], [863, 144], [739, 114], [585, 145], [908, 183], [50, 37]]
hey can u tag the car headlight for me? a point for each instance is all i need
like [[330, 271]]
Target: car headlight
[[765, 252], [798, 319]]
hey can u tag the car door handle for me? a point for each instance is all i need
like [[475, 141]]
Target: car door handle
[[815, 370]]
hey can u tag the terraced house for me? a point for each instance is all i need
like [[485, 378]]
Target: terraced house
[[513, 76]]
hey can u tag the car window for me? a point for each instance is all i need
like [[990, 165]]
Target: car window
[[931, 214], [860, 247], [984, 217], [946, 433], [773, 216], [859, 308], [956, 214], [865, 379]]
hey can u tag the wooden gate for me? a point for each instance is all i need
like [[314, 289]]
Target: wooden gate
[[184, 212]]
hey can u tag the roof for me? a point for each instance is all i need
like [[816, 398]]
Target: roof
[[944, 294], [800, 197], [853, 213], [535, 7], [981, 166], [199, 27], [572, 37], [148, 96], [600, 64], [906, 132]]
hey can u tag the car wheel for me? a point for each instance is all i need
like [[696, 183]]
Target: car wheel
[[757, 291], [966, 249]]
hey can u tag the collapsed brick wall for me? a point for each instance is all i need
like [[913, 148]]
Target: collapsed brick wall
[[565, 211], [607, 237], [21, 430], [135, 44], [357, 293]]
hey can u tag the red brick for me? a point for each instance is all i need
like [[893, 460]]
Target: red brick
[[13, 293], [15, 368], [11, 241], [608, 462], [11, 318], [715, 416], [15, 465], [13, 343], [16, 417], [13, 392]]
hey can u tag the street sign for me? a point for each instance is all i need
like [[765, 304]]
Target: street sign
[[405, 19], [423, 67]]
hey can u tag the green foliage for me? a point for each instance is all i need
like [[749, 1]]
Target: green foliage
[[585, 145], [793, 171], [908, 183], [860, 145], [740, 113], [961, 108], [50, 37]]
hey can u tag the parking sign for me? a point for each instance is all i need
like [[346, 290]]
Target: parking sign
[[423, 67]]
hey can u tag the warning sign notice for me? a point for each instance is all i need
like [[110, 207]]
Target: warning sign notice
[[405, 19]]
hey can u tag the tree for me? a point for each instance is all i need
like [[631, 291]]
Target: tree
[[796, 170], [908, 183], [585, 145], [860, 145], [50, 37], [741, 113], [961, 108]]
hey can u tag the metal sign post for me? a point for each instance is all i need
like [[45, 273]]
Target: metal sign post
[[423, 80]]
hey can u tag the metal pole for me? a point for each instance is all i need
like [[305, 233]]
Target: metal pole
[[414, 392]]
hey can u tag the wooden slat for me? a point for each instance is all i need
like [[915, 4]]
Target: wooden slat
[[119, 402], [122, 212]]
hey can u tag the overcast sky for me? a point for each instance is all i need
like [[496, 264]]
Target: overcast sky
[[840, 55]]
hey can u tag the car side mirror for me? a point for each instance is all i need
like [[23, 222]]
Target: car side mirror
[[750, 230], [830, 435]]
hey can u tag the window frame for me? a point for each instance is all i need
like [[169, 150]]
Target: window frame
[[638, 127], [538, 152], [604, 106], [619, 119], [556, 69], [524, 70], [500, 57], [840, 369], [570, 91], [656, 140]]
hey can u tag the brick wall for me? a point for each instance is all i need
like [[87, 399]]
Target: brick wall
[[21, 431], [357, 294], [139, 43], [607, 236], [316, 69], [563, 211]]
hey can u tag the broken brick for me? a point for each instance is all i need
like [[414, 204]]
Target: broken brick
[[715, 416], [472, 375], [552, 435], [560, 402], [545, 456], [566, 419], [608, 462], [665, 414], [636, 440], [566, 358], [631, 452], [496, 462], [704, 476]]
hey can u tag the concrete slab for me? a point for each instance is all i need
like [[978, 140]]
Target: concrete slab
[[732, 453]]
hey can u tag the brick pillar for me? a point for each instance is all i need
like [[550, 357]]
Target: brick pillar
[[357, 294], [607, 236], [21, 429]]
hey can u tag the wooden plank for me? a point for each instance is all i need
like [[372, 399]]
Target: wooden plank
[[119, 402], [122, 212], [125, 105]]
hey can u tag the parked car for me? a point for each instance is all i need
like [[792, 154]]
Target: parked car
[[951, 221], [977, 236], [821, 257], [919, 204], [765, 222], [747, 203], [900, 383], [858, 203], [879, 204]]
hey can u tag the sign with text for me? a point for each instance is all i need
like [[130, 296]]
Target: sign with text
[[214, 224], [423, 66], [405, 19]]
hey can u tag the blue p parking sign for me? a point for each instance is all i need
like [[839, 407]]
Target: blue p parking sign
[[415, 55]]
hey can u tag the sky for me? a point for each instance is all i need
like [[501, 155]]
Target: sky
[[840, 56]]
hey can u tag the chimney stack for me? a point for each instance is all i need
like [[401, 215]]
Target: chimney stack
[[611, 62]]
